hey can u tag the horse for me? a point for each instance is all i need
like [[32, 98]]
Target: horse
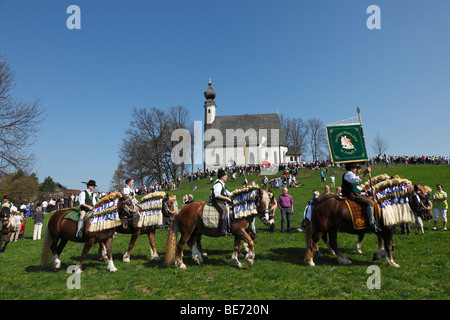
[[420, 205], [8, 226], [331, 214], [131, 227], [189, 221], [60, 230]]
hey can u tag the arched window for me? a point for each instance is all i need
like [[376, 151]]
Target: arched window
[[252, 158], [217, 159]]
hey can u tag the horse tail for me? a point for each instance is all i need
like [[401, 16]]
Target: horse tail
[[169, 257], [47, 254]]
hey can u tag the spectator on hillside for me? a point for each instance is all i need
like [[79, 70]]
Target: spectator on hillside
[[38, 218], [286, 205]]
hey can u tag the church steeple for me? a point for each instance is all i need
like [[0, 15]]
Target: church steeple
[[210, 105]]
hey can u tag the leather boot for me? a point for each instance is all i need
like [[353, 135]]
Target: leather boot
[[80, 227], [371, 217], [223, 228]]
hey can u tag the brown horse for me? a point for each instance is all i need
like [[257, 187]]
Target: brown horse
[[420, 205], [131, 227], [331, 215], [189, 221], [7, 226], [62, 230]]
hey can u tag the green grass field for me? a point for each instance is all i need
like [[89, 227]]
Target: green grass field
[[277, 274]]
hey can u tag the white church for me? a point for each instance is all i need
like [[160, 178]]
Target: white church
[[240, 140]]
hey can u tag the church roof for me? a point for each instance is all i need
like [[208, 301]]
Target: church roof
[[245, 122]]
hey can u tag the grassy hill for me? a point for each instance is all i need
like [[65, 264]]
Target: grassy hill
[[277, 274]]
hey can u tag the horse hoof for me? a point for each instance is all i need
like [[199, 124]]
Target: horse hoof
[[250, 262], [113, 269], [310, 264], [236, 263], [126, 259], [182, 267], [344, 261], [156, 258]]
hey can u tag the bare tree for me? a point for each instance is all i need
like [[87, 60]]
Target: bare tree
[[119, 177], [146, 150], [19, 124], [379, 145], [317, 138], [298, 131]]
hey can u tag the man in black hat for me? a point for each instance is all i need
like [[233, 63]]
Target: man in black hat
[[350, 180], [87, 202], [220, 195]]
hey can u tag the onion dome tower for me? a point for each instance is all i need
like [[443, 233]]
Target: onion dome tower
[[210, 105]]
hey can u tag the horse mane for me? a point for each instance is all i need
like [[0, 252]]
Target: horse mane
[[154, 195]]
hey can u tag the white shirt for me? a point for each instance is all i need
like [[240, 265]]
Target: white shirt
[[128, 191], [352, 178], [82, 197], [218, 188]]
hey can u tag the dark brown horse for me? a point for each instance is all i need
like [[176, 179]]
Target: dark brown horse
[[59, 231], [189, 221], [7, 227], [331, 215], [421, 206], [131, 226]]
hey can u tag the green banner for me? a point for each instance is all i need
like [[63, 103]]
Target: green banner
[[346, 143]]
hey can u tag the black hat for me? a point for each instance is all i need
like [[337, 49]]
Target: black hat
[[221, 173], [90, 183], [5, 197], [349, 166]]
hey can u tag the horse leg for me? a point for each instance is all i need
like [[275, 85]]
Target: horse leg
[[389, 247], [134, 236], [7, 240], [312, 238], [333, 243], [196, 254], [179, 254], [198, 241], [87, 246], [151, 239], [111, 267], [54, 248], [235, 256], [358, 245], [101, 254], [250, 257]]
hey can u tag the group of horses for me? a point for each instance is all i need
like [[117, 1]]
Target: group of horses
[[330, 215]]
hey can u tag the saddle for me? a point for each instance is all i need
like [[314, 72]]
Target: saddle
[[358, 212], [211, 217]]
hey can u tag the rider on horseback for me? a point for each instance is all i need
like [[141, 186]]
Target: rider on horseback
[[220, 195], [350, 189], [87, 202]]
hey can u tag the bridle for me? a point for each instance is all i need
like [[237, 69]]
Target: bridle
[[421, 207]]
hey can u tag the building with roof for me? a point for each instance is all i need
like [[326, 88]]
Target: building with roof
[[240, 140]]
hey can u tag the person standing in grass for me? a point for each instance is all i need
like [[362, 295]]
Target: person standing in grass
[[38, 217], [286, 205], [440, 206]]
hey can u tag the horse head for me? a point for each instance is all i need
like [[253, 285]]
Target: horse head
[[128, 208], [5, 214], [267, 216], [420, 202], [168, 207], [263, 204]]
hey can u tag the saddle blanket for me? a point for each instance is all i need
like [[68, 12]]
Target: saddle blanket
[[73, 215], [359, 214], [211, 217]]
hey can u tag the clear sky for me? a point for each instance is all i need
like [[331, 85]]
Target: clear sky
[[309, 59]]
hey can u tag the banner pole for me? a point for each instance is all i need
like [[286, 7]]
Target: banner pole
[[367, 162]]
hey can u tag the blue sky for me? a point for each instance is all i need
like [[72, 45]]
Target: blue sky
[[309, 59]]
